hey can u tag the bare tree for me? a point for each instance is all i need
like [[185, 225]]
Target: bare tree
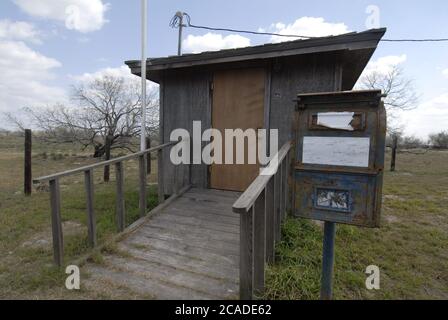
[[439, 140], [401, 95], [106, 113]]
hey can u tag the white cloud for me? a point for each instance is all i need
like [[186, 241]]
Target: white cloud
[[122, 71], [213, 42], [429, 117], [23, 78], [306, 26], [383, 65], [80, 15], [445, 73], [19, 30]]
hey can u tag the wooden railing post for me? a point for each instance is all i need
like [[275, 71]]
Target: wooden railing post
[[27, 165], [284, 189], [270, 221], [246, 255], [277, 220], [142, 185], [56, 222], [120, 203], [91, 222], [288, 182], [176, 179], [259, 246], [282, 192], [148, 156], [160, 178]]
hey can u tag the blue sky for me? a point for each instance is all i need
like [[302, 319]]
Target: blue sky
[[106, 33]]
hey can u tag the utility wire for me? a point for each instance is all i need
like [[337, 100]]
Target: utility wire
[[175, 23]]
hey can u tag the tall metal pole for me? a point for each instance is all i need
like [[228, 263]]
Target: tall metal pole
[[326, 289], [143, 75]]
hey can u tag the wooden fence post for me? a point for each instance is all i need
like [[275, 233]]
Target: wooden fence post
[[120, 203], [56, 222], [107, 147], [28, 171], [394, 152], [91, 222]]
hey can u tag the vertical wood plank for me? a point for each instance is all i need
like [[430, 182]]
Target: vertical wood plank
[[160, 178], [259, 243], [270, 221], [56, 222], [27, 165], [246, 255], [91, 222], [120, 204], [142, 184]]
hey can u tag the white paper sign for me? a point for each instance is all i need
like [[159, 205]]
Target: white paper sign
[[336, 120], [336, 151]]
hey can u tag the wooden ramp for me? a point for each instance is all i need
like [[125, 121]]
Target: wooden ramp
[[189, 250]]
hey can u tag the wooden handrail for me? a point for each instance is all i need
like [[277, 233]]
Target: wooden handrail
[[262, 208], [103, 163], [120, 211], [245, 202]]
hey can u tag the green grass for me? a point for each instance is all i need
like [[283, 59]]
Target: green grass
[[26, 268], [410, 248]]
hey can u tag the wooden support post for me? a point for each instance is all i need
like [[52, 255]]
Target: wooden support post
[[148, 156], [56, 222], [282, 191], [176, 179], [27, 166], [288, 182], [278, 223], [270, 221], [142, 185], [259, 244], [285, 188], [394, 152], [120, 203], [107, 146], [246, 255], [91, 222], [160, 179]]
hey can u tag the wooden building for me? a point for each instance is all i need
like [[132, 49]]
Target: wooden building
[[251, 87]]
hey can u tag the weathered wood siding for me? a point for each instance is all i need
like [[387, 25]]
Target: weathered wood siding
[[294, 75], [186, 97]]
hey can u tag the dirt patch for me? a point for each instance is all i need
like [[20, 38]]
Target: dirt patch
[[44, 239]]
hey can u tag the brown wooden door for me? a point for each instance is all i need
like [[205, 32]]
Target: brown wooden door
[[238, 103]]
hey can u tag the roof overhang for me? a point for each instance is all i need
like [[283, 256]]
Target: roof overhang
[[355, 49]]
